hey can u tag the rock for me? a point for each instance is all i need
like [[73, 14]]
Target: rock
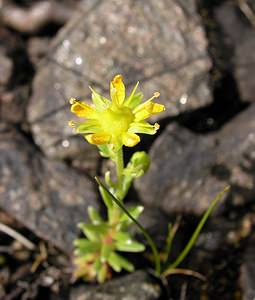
[[49, 121], [167, 53], [15, 73], [13, 104], [38, 48], [45, 195], [5, 69], [239, 34], [248, 272], [188, 170], [138, 285]]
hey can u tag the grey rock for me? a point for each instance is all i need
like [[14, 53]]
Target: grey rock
[[248, 272], [14, 90], [138, 285], [45, 195], [6, 67], [239, 34], [188, 170], [160, 43]]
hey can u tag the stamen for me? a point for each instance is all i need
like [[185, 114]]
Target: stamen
[[156, 94], [156, 126], [71, 124], [72, 100]]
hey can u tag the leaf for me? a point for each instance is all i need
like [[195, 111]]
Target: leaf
[[94, 215], [105, 252], [129, 246], [97, 265], [93, 231], [122, 236], [134, 212], [105, 150], [107, 199], [196, 233], [102, 274], [144, 232], [84, 246], [117, 262], [138, 164]]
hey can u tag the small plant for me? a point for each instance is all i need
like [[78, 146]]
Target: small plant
[[110, 125]]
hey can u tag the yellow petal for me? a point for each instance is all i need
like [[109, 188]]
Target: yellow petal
[[117, 90], [148, 109], [82, 109], [98, 138], [157, 108], [130, 139], [143, 127]]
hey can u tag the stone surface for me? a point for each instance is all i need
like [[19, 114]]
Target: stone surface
[[45, 195], [15, 73], [248, 272], [239, 34], [160, 43], [188, 170], [138, 285], [5, 69]]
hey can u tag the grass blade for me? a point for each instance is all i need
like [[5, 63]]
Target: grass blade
[[196, 233]]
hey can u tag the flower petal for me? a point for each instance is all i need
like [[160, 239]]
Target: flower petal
[[82, 109], [143, 127], [147, 109], [91, 126], [100, 102], [117, 90], [130, 139], [98, 138]]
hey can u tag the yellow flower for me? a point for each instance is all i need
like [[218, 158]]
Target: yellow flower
[[116, 122]]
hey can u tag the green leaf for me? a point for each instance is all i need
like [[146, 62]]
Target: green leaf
[[106, 251], [93, 231], [172, 230], [97, 265], [129, 246], [122, 236], [102, 274], [113, 262], [107, 199], [107, 178], [141, 228], [196, 233], [94, 215], [134, 212], [105, 151], [84, 246], [138, 164], [117, 262]]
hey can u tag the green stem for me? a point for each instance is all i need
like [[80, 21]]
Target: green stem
[[118, 159], [119, 170]]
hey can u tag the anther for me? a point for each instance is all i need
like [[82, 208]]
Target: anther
[[156, 126], [71, 124], [72, 100]]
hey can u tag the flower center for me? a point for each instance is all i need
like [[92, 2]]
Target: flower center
[[116, 120]]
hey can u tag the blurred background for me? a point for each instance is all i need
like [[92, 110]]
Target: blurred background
[[199, 55]]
